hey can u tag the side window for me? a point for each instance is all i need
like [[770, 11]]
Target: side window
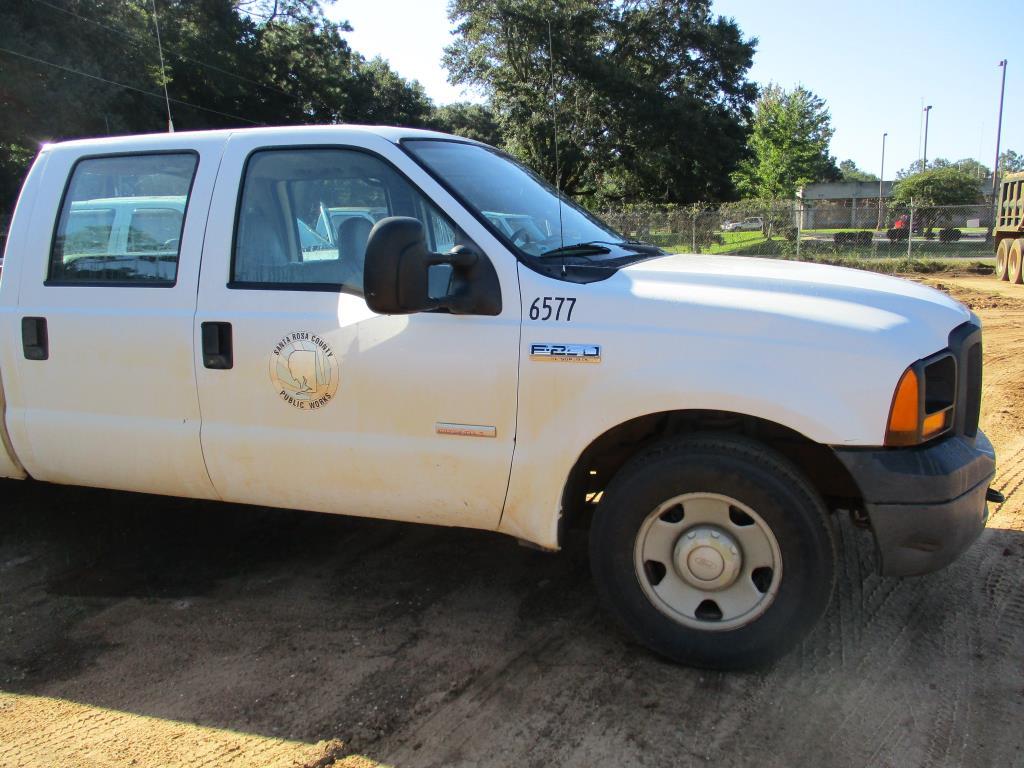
[[306, 214], [121, 220]]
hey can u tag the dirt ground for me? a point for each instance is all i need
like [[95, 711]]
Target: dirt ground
[[156, 632]]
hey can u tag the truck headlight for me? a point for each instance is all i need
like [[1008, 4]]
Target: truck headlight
[[924, 401]]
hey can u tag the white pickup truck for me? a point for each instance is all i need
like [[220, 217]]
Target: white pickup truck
[[468, 349]]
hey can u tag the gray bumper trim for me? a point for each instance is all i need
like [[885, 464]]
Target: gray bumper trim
[[926, 505]]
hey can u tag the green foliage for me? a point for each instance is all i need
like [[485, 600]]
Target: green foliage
[[850, 172], [473, 121], [1010, 162], [789, 143], [968, 165], [937, 186], [650, 97], [228, 63]]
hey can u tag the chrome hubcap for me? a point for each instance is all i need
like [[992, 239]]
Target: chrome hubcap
[[708, 561]]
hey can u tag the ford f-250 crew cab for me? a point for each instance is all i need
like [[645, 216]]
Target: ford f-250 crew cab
[[407, 325]]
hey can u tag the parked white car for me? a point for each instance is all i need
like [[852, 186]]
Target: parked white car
[[469, 349], [749, 224]]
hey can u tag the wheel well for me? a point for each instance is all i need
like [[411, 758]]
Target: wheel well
[[606, 455]]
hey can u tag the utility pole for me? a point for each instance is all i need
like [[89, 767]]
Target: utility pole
[[927, 113], [881, 180], [999, 134]]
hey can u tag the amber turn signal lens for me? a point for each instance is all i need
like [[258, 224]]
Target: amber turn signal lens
[[902, 427], [935, 423]]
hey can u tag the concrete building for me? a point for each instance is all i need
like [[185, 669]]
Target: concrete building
[[853, 203]]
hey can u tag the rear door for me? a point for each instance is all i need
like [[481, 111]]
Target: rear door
[[102, 388], [324, 405]]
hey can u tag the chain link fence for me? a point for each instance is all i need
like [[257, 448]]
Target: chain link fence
[[822, 230], [793, 230]]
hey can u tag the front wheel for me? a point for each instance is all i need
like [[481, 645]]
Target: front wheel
[[714, 552]]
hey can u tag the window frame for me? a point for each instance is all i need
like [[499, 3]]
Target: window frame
[[50, 281], [233, 284]]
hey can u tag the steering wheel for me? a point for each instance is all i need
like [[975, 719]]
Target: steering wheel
[[169, 244], [522, 234]]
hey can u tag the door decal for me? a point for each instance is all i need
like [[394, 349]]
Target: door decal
[[304, 370]]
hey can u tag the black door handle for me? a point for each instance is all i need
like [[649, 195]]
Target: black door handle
[[217, 345], [35, 342]]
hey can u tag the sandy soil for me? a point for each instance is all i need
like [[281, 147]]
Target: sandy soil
[[142, 631]]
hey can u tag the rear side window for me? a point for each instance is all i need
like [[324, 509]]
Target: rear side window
[[305, 216], [121, 221]]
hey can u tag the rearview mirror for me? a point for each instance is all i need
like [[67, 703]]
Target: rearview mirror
[[397, 268]]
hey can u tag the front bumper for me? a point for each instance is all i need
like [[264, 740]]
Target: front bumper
[[926, 504]]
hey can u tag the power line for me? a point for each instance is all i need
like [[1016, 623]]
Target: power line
[[126, 87], [181, 56]]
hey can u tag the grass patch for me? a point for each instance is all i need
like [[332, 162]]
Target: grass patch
[[756, 245], [880, 259]]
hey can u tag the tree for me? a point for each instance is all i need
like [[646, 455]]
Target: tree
[[650, 97], [472, 121], [938, 186], [789, 144], [1010, 162], [92, 69], [968, 165], [850, 172]]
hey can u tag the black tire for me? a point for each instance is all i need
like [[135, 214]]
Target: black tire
[[750, 473]]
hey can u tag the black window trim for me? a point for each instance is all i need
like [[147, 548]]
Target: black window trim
[[233, 284], [52, 282]]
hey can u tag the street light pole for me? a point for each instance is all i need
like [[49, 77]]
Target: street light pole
[[927, 113], [999, 133], [881, 180]]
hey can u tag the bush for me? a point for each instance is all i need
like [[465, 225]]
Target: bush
[[949, 235], [790, 233], [862, 237]]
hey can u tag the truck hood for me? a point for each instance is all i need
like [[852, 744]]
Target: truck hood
[[774, 297]]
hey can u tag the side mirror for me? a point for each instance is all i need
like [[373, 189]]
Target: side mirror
[[398, 265]]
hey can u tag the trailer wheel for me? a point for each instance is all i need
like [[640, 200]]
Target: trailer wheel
[[713, 551], [1002, 259], [1015, 261]]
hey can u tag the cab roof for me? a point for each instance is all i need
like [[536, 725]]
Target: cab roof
[[316, 132]]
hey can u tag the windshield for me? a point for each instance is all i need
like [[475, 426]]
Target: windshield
[[517, 202]]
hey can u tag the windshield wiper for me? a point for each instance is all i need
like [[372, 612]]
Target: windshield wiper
[[601, 246], [578, 249]]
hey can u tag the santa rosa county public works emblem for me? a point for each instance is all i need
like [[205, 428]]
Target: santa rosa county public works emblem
[[304, 370]]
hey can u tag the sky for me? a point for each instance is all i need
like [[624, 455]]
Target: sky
[[875, 64]]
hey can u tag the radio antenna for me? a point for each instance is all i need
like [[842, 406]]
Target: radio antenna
[[163, 71], [554, 122]]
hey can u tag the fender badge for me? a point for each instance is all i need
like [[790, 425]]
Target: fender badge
[[566, 353], [304, 370]]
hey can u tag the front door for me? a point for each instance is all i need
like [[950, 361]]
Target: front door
[[327, 406]]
